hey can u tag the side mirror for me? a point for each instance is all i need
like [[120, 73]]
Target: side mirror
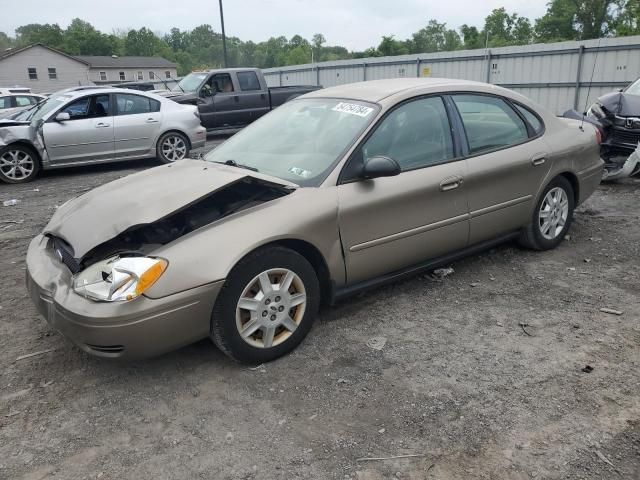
[[380, 167], [62, 117]]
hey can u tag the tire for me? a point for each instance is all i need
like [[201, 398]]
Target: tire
[[268, 311], [539, 235], [18, 164], [171, 147]]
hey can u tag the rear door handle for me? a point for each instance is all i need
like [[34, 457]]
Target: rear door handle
[[538, 160], [102, 125], [152, 120], [450, 183]]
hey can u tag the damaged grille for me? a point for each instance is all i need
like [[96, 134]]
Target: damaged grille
[[625, 136], [65, 253]]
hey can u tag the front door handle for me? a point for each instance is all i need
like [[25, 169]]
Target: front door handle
[[102, 125], [538, 160], [152, 120], [450, 183]]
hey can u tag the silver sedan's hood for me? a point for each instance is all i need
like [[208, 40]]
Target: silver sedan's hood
[[142, 198]]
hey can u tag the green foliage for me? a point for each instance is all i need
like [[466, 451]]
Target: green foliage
[[202, 47]]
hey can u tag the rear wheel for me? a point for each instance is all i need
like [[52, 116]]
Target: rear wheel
[[552, 216], [266, 307], [18, 164], [172, 146]]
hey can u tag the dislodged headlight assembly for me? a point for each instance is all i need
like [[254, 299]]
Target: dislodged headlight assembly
[[596, 111], [118, 279]]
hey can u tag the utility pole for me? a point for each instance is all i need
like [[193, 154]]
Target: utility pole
[[224, 39]]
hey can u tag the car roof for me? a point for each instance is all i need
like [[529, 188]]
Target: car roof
[[81, 92], [376, 90]]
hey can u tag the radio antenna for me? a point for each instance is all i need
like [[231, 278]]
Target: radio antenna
[[593, 71]]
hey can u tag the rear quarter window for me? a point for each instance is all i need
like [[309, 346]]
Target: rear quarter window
[[531, 118]]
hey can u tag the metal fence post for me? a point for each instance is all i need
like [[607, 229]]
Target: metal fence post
[[364, 72], [418, 67], [279, 78], [576, 96], [488, 66], [318, 75]]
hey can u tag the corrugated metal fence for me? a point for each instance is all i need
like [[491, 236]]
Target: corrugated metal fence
[[556, 75]]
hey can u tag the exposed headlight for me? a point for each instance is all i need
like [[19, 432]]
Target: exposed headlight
[[596, 111], [118, 278]]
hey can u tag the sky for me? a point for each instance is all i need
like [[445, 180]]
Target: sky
[[355, 24]]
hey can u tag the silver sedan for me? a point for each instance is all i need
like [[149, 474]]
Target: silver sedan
[[98, 125]]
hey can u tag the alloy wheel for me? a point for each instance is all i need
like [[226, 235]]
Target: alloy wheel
[[271, 307], [553, 213], [16, 164], [174, 148]]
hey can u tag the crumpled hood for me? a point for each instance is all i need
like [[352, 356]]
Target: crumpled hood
[[141, 198], [621, 104]]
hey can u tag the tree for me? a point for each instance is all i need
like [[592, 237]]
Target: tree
[[390, 46], [581, 19], [628, 22], [81, 38], [502, 28], [435, 37], [471, 37], [47, 34], [141, 42], [5, 42]]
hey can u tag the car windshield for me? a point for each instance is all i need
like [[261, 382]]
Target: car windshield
[[299, 141], [38, 111], [634, 89], [190, 83]]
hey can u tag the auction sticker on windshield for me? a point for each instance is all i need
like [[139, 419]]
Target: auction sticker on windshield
[[353, 109]]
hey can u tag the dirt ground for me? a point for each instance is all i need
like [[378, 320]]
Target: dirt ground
[[459, 384]]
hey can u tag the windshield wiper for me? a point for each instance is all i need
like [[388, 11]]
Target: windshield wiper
[[233, 163]]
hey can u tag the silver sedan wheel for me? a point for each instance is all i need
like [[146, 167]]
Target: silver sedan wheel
[[271, 308], [16, 164], [553, 213], [173, 148]]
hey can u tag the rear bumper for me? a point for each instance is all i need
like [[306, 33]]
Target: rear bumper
[[141, 328], [198, 138], [588, 181]]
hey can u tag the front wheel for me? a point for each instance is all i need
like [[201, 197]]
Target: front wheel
[[18, 164], [266, 306], [551, 217], [172, 146]]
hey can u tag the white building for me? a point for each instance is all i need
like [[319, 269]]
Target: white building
[[45, 69]]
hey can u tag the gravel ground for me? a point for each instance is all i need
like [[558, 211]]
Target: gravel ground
[[458, 383]]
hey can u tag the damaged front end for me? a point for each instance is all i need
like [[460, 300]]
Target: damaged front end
[[618, 115], [12, 131], [138, 240]]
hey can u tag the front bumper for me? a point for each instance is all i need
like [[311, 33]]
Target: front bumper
[[141, 328]]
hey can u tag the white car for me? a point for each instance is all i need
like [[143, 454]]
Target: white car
[[11, 103], [96, 125]]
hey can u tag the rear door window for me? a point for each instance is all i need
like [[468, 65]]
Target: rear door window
[[489, 122], [128, 104], [5, 102], [248, 81], [23, 101]]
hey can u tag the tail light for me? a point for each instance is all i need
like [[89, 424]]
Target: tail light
[[598, 136]]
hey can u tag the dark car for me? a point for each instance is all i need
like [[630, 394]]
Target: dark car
[[233, 97]]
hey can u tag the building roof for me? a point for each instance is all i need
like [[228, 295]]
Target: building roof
[[106, 61], [99, 61], [13, 51]]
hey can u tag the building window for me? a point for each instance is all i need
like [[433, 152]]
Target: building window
[[167, 74], [53, 75], [140, 76], [103, 76], [152, 75], [33, 73], [122, 76]]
